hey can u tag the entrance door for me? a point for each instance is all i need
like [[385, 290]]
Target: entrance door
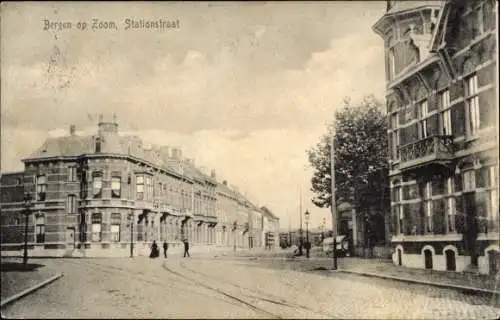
[[400, 258], [428, 259], [494, 261], [450, 260], [70, 238]]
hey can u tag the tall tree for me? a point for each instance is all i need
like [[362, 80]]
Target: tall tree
[[361, 158]]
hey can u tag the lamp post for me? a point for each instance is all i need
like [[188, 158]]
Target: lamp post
[[308, 246], [27, 212], [131, 221], [333, 204]]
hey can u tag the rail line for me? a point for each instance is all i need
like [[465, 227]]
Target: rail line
[[186, 280], [230, 296], [259, 294]]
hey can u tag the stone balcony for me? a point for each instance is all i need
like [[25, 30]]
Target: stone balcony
[[434, 149]]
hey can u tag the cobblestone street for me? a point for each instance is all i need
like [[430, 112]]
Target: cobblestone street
[[207, 287]]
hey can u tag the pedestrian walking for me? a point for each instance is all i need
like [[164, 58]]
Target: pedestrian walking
[[186, 248], [165, 248], [155, 253]]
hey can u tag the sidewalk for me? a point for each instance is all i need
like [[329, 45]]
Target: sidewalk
[[14, 280], [382, 268], [387, 269]]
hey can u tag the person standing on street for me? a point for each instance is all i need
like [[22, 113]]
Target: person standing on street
[[186, 248], [165, 248]]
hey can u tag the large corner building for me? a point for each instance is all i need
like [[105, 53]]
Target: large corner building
[[442, 86], [111, 195]]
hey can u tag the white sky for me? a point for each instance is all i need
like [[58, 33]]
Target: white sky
[[245, 88]]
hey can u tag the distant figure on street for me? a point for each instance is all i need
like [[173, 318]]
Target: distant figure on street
[[155, 253], [186, 248], [165, 248]]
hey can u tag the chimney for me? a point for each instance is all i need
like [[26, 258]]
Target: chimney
[[72, 129], [212, 174]]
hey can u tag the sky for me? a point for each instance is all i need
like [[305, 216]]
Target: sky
[[243, 88]]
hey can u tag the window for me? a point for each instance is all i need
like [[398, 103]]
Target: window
[[423, 110], [401, 219], [445, 99], [469, 180], [71, 203], [116, 185], [493, 194], [72, 174], [450, 206], [98, 144], [428, 205], [473, 104], [41, 187], [96, 227], [392, 64], [115, 233], [139, 184], [149, 191], [447, 123], [395, 144], [40, 229], [97, 184]]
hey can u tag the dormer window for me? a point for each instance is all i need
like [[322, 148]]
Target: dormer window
[[98, 144]]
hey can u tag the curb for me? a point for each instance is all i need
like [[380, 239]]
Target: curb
[[436, 284], [30, 290]]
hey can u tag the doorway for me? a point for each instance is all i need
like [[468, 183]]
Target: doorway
[[450, 260], [428, 258], [493, 262]]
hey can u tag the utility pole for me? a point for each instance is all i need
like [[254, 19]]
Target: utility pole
[[301, 240], [334, 204]]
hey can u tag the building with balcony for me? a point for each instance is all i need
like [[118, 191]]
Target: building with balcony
[[270, 228], [442, 105], [105, 194]]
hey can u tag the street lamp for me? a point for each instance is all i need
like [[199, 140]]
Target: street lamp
[[308, 245], [131, 221], [27, 212]]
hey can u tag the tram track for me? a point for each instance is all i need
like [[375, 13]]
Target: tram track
[[230, 298], [258, 294]]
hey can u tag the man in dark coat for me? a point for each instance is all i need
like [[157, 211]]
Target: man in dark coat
[[186, 248], [165, 248]]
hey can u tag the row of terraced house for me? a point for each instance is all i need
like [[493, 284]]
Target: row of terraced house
[[111, 195], [441, 62]]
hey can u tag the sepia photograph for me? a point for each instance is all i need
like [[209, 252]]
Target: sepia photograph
[[249, 160]]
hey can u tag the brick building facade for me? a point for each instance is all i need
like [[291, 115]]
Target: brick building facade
[[99, 195], [442, 86]]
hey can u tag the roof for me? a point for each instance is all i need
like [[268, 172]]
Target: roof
[[268, 213], [401, 6]]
